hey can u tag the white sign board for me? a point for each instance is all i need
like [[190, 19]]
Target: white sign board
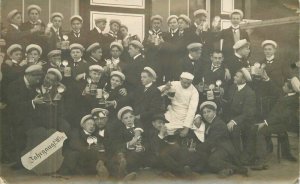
[[44, 150], [120, 3]]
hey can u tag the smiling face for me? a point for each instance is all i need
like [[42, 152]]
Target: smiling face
[[115, 81], [128, 119], [208, 114], [269, 50]]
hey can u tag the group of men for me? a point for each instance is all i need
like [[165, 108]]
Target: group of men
[[172, 101]]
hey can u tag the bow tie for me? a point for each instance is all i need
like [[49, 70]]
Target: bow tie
[[270, 61], [214, 68]]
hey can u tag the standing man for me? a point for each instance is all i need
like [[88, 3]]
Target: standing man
[[21, 101], [201, 28], [152, 43], [233, 34], [34, 12], [240, 58], [112, 36], [96, 34], [77, 35], [134, 68], [192, 63]]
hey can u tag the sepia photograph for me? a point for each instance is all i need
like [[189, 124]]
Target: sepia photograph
[[149, 91]]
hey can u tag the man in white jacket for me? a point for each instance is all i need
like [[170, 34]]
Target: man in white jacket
[[184, 102]]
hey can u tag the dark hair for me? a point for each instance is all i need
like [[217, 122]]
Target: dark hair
[[31, 49], [209, 107], [217, 51], [125, 112]]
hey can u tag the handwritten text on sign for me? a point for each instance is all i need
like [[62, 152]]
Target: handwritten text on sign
[[43, 150]]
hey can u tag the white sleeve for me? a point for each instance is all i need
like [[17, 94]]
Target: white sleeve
[[188, 122]]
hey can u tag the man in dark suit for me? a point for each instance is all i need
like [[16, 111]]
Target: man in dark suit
[[96, 34], [178, 46], [77, 35], [94, 52], [146, 99], [112, 36], [34, 12], [21, 102], [14, 34], [216, 143], [240, 114], [240, 57], [283, 117], [233, 34], [204, 35], [192, 63], [276, 69], [55, 32], [133, 70], [169, 55]]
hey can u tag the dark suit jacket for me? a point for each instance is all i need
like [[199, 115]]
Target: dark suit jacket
[[94, 36], [286, 111], [81, 67], [228, 41], [35, 38], [234, 64], [147, 103], [206, 39], [196, 69], [81, 39], [78, 140], [122, 135], [217, 136], [92, 61], [210, 77], [241, 105], [54, 39], [278, 71], [19, 102], [16, 36], [132, 71]]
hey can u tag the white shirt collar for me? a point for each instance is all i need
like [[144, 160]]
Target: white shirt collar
[[14, 61], [237, 55], [191, 57], [291, 94], [99, 30], [270, 58], [86, 133], [134, 57], [148, 85], [173, 31], [235, 27], [101, 132], [241, 86], [115, 61], [15, 26], [77, 60], [127, 127]]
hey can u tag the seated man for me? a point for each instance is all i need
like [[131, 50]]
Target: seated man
[[168, 155], [84, 151], [128, 144], [284, 116], [215, 141], [240, 113], [183, 106]]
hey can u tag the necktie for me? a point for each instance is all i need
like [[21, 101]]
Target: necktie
[[77, 35], [270, 61], [214, 68]]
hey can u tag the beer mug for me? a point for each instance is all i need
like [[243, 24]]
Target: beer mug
[[210, 95], [67, 72], [99, 94]]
